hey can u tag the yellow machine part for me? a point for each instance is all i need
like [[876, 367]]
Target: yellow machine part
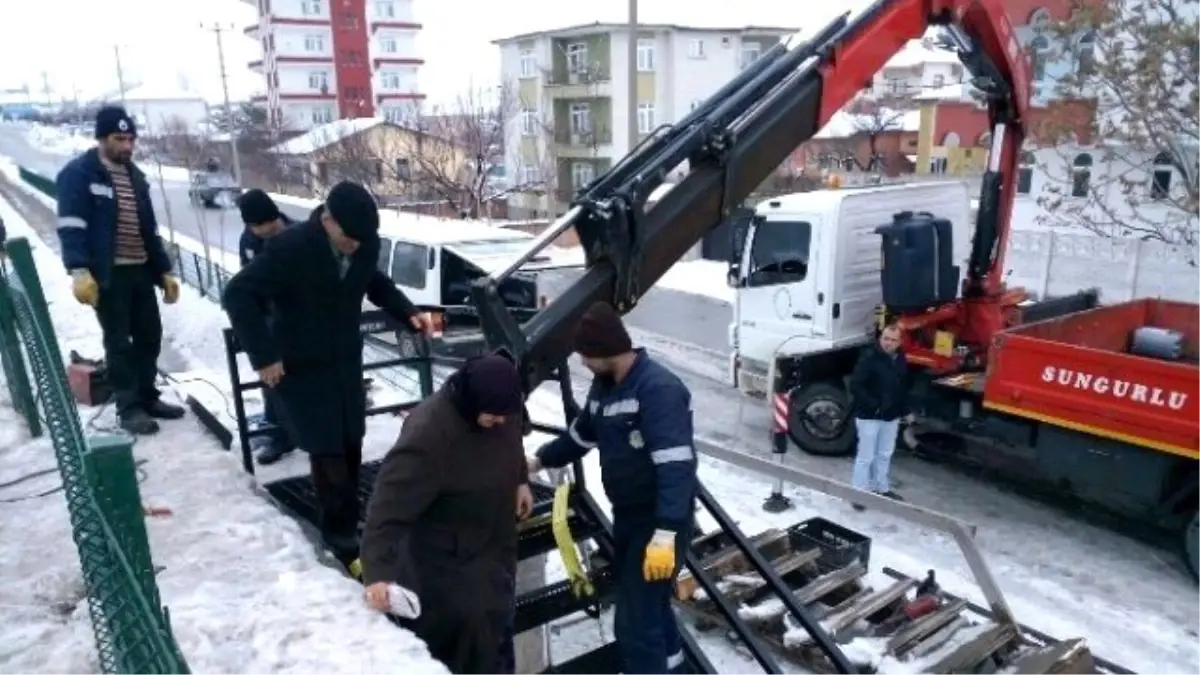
[[581, 585]]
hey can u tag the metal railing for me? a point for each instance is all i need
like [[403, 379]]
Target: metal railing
[[100, 482]]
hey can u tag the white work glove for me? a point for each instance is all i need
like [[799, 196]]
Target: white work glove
[[403, 602]]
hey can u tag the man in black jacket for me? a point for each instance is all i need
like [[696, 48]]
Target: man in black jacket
[[314, 276], [264, 220], [879, 388]]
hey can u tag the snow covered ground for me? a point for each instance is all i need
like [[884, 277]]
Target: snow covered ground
[[246, 588], [67, 142], [702, 277]]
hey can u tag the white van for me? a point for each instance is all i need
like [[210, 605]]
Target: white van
[[434, 260]]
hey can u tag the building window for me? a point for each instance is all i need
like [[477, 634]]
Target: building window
[[1039, 17], [577, 57], [389, 81], [385, 9], [310, 7], [939, 81], [937, 165], [403, 167], [896, 85], [321, 115], [750, 53], [645, 56], [984, 141], [1160, 183], [582, 173], [696, 49], [388, 45], [581, 119], [645, 118], [1025, 173], [1085, 51], [318, 81], [530, 175], [529, 123], [529, 66], [1081, 175], [951, 140], [349, 21], [409, 262], [314, 43], [1039, 50]]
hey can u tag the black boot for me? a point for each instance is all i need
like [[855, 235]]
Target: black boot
[[892, 495], [163, 411], [138, 422], [273, 451]]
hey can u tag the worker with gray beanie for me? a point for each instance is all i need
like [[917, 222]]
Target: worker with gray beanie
[[314, 276], [640, 415]]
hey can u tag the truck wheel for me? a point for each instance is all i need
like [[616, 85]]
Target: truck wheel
[[1191, 545], [819, 420]]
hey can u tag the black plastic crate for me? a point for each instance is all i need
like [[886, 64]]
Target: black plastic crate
[[840, 546]]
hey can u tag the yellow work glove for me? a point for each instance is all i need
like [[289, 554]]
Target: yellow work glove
[[170, 289], [659, 563], [85, 288]]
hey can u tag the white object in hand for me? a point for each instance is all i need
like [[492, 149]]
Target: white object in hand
[[403, 602]]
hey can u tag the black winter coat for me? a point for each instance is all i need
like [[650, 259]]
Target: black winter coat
[[879, 385], [442, 523], [314, 332]]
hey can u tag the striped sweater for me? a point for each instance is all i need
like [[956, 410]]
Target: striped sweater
[[131, 248]]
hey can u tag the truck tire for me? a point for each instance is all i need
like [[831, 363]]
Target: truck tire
[[1191, 546], [819, 420]]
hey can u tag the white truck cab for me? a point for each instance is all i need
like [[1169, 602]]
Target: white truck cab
[[808, 271]]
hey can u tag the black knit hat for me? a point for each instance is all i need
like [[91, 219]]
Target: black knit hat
[[601, 333], [490, 384], [112, 119], [354, 209], [257, 207]]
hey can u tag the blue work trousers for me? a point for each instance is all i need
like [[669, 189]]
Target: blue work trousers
[[647, 636]]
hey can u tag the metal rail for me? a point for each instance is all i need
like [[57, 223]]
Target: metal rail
[[962, 532]]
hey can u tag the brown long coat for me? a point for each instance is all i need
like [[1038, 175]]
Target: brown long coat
[[442, 523]]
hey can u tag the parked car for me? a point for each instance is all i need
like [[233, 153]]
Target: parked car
[[213, 189]]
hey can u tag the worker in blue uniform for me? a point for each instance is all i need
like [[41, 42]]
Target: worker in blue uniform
[[640, 416]]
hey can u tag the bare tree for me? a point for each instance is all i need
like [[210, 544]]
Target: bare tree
[[865, 126], [1136, 63]]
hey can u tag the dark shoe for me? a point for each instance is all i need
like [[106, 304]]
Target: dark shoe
[[858, 507], [138, 423], [892, 495], [163, 411], [272, 452], [343, 547]]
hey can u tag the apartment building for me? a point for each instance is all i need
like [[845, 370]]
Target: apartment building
[[325, 60], [572, 88]]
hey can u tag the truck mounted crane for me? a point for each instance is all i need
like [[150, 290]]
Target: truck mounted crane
[[733, 140]]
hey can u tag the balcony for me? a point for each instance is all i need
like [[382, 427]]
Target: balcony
[[251, 31], [575, 145], [306, 59], [393, 24], [392, 60], [298, 21], [256, 66], [382, 96], [595, 84]]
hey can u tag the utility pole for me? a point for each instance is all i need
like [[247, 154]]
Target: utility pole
[[633, 75], [46, 87], [219, 30], [120, 73]]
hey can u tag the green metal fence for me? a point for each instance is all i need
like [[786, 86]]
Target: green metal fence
[[16, 377], [99, 477], [43, 184]]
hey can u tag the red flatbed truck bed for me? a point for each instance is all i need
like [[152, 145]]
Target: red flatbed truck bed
[[1076, 372]]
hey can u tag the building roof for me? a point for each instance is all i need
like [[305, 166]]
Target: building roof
[[163, 91], [432, 230], [845, 124], [923, 51], [602, 27], [326, 135]]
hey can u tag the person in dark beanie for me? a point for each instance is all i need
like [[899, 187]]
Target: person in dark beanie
[[440, 526], [264, 220], [109, 239], [640, 415], [314, 277]]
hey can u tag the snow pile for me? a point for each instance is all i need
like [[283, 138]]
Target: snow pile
[[244, 584], [59, 140]]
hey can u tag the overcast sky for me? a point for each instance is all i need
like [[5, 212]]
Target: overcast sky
[[162, 42]]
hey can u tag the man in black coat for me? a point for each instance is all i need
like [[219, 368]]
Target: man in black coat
[[264, 220], [879, 388], [315, 275]]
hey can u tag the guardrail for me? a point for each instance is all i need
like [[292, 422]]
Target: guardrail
[[99, 478]]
